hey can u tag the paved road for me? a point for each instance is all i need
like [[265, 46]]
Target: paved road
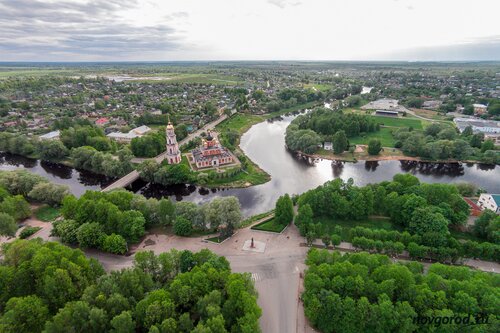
[[134, 175], [276, 272]]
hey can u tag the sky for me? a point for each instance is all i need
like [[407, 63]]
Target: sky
[[182, 30]]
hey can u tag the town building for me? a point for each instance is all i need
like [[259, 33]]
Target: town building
[[385, 104], [489, 201], [127, 137], [173, 152], [479, 109], [328, 146], [211, 153], [432, 105], [386, 113], [478, 125], [102, 121], [50, 136]]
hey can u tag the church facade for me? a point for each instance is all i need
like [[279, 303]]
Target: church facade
[[211, 153], [173, 152]]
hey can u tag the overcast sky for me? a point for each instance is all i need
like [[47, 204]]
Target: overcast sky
[[164, 30]]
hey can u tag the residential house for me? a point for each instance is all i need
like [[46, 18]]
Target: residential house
[[489, 201]]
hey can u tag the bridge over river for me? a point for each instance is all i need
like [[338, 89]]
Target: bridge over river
[[134, 175]]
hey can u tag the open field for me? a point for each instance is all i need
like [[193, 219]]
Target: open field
[[384, 135], [429, 114], [240, 122], [398, 122]]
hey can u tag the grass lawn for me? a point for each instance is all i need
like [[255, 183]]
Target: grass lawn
[[216, 239], [379, 223], [254, 218], [398, 122], [384, 135], [269, 225], [240, 122], [47, 213]]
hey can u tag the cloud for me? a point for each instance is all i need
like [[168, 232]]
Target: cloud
[[477, 49], [284, 3], [40, 30]]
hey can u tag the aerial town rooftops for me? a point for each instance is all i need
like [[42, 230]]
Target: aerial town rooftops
[[385, 104], [478, 125]]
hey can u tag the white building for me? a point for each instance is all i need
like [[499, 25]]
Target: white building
[[479, 108], [328, 146], [478, 125], [51, 135], [489, 201], [127, 137]]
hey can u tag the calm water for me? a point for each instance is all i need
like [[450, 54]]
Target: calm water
[[77, 180], [264, 144]]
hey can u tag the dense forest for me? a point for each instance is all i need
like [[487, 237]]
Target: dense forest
[[52, 288], [308, 131], [364, 292], [426, 213]]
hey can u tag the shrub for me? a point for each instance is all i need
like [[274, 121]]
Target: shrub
[[114, 244], [28, 231], [182, 226]]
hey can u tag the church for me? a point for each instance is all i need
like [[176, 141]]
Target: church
[[173, 152], [211, 153]]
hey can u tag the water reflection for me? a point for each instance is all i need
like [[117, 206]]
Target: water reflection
[[371, 165], [77, 180], [265, 145]]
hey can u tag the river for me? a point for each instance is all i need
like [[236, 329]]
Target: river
[[264, 144]]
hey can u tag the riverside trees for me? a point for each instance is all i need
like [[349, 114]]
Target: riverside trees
[[368, 293], [425, 211], [52, 288]]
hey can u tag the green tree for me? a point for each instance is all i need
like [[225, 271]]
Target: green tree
[[182, 226], [283, 213], [487, 145], [90, 235], [16, 206], [374, 147], [114, 244], [8, 226], [304, 218], [24, 315], [339, 142], [123, 323]]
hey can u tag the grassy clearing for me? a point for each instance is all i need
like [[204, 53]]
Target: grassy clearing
[[254, 218], [384, 135], [240, 122], [47, 213], [317, 86], [269, 225], [398, 122], [372, 223]]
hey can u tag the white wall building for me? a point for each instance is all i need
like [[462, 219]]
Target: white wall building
[[127, 137], [489, 201], [51, 135], [478, 125]]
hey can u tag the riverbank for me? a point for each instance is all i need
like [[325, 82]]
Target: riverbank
[[387, 154]]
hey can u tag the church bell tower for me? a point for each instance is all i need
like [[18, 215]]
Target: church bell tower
[[173, 152]]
